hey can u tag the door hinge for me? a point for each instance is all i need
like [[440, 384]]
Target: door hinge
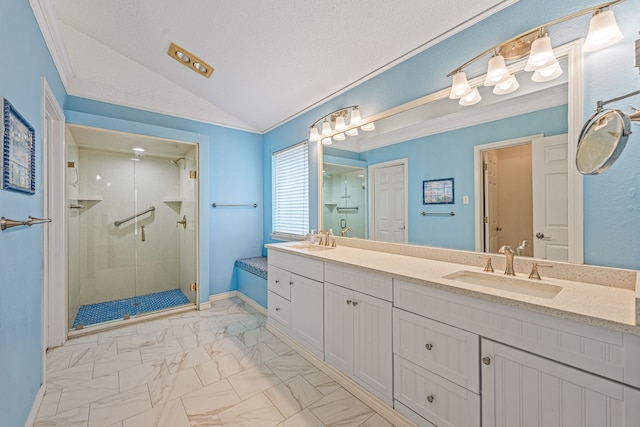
[[193, 174], [485, 166], [485, 219], [193, 287]]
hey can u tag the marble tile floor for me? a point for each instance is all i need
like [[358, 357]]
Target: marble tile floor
[[218, 367]]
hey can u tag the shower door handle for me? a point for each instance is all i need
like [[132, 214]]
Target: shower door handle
[[143, 236]]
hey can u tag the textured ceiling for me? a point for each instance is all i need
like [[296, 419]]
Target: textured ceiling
[[273, 58]]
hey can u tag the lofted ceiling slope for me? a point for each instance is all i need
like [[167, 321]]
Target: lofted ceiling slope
[[273, 59]]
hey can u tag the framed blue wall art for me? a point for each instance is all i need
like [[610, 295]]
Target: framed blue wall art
[[18, 151], [438, 191]]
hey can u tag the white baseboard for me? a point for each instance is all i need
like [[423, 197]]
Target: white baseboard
[[231, 294], [386, 411], [35, 407], [260, 309]]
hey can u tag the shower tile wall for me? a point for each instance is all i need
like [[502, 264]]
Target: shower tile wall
[[102, 257]]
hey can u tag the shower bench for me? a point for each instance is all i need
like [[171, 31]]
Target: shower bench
[[252, 278]]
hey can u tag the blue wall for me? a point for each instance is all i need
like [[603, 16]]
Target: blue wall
[[450, 154], [25, 60], [611, 199]]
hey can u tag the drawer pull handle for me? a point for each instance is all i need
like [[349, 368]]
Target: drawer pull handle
[[291, 283], [348, 301], [277, 281], [486, 360], [277, 308], [430, 398], [354, 303], [429, 346]]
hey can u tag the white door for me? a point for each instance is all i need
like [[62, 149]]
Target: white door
[[373, 345], [491, 211], [389, 207], [306, 309], [550, 198], [338, 327], [520, 389]]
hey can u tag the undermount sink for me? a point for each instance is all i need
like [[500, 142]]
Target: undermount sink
[[531, 288], [311, 248]]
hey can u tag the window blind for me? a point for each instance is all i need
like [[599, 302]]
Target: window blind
[[291, 190]]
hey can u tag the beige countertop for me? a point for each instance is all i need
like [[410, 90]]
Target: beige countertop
[[605, 306]]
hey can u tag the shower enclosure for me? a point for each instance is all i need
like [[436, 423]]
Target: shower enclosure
[[344, 199], [132, 205]]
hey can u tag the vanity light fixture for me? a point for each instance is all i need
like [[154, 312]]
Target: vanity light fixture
[[190, 60], [536, 44], [346, 122]]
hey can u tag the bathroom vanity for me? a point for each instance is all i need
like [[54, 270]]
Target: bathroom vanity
[[426, 332]]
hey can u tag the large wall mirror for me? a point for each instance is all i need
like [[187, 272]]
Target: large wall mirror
[[528, 196]]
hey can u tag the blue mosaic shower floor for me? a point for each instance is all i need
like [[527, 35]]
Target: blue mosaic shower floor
[[111, 310]]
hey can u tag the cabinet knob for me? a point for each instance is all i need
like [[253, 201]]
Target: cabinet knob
[[277, 281], [277, 308], [430, 398], [486, 360], [429, 346], [348, 301], [291, 283], [354, 303]]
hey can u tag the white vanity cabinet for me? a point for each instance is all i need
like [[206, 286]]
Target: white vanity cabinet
[[520, 389], [358, 328], [295, 298]]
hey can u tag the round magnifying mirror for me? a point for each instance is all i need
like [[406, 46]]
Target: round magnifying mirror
[[601, 141]]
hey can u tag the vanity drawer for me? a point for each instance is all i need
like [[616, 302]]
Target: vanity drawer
[[307, 267], [438, 400], [279, 281], [279, 309], [447, 351], [374, 284], [605, 352]]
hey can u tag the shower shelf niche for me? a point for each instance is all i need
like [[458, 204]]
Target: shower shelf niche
[[89, 198], [173, 199]]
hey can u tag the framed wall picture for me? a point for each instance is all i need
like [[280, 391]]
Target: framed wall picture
[[18, 151], [437, 191]]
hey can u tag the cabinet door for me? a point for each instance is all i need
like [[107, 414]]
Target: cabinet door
[[307, 313], [279, 281], [373, 346], [520, 390], [338, 327]]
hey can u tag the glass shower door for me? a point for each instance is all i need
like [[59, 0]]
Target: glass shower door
[[132, 230]]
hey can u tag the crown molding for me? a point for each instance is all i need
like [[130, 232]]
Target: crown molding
[[48, 23]]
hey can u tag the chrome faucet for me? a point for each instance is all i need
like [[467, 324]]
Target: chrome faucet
[[509, 252], [326, 237]]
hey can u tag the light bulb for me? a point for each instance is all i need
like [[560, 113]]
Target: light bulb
[[603, 31], [313, 134], [368, 127], [340, 124], [355, 117], [547, 74], [459, 86], [496, 72], [509, 86], [326, 128], [541, 55], [471, 98]]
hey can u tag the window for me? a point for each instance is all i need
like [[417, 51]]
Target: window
[[291, 191]]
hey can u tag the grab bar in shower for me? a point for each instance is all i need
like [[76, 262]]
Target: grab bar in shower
[[122, 221]]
